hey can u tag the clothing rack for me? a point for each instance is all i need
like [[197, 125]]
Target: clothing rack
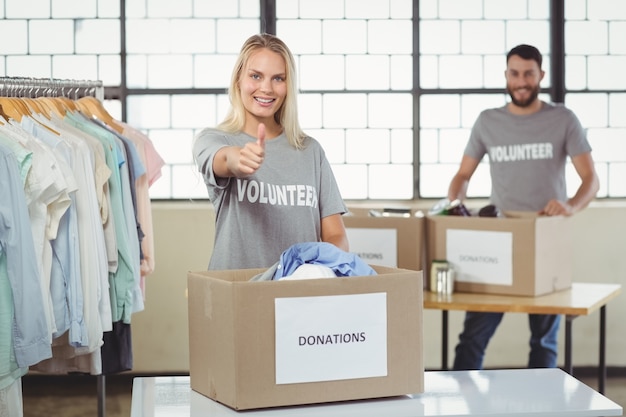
[[50, 87], [73, 89]]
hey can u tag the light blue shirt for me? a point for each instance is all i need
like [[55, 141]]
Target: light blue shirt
[[26, 337], [342, 263], [65, 281]]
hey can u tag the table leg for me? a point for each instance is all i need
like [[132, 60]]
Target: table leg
[[568, 344], [569, 368], [101, 387], [602, 365], [444, 340]]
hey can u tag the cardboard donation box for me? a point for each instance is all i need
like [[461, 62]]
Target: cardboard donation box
[[290, 342], [518, 254], [392, 238]]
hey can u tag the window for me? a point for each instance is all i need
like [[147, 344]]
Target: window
[[179, 59], [463, 46], [390, 88], [355, 72], [594, 66]]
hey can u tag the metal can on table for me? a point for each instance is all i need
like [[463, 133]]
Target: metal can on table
[[442, 276]]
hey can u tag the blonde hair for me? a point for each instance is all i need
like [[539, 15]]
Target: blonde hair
[[287, 115]]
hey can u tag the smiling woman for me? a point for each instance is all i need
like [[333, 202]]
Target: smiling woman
[[259, 150]]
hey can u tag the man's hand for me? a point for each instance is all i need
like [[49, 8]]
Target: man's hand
[[557, 208]]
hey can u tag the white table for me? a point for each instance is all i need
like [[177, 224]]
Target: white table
[[517, 392]]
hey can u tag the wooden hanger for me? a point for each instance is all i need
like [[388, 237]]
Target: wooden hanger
[[53, 105], [14, 108], [93, 107], [67, 103], [35, 106], [3, 115]]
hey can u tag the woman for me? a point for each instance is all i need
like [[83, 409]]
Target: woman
[[270, 183]]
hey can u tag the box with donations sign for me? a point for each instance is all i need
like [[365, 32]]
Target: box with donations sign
[[394, 238], [259, 344], [521, 253]]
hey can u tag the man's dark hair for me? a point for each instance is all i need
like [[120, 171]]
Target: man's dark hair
[[526, 52]]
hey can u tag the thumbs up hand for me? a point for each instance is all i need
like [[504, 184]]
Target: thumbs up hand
[[252, 155], [260, 134]]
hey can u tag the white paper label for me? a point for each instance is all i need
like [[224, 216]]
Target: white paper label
[[329, 338], [374, 246], [481, 257]]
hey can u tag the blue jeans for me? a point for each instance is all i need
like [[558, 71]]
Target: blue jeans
[[479, 327]]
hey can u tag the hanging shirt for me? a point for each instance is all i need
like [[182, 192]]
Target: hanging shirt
[[92, 175], [48, 200], [65, 281], [25, 341], [153, 164], [122, 280], [132, 170]]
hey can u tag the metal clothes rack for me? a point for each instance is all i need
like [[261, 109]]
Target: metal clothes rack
[[73, 89], [50, 87]]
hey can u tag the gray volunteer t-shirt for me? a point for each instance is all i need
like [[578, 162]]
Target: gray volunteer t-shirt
[[260, 216], [527, 154]]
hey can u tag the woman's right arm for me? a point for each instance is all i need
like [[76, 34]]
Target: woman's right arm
[[237, 161]]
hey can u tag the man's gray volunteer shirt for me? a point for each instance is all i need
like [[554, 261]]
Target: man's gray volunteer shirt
[[527, 154]]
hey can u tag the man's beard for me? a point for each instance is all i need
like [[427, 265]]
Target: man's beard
[[534, 93]]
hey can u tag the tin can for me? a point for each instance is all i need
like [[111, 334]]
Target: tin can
[[442, 277], [436, 265], [445, 280]]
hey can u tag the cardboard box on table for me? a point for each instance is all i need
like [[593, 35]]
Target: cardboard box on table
[[518, 254], [388, 239], [241, 334]]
